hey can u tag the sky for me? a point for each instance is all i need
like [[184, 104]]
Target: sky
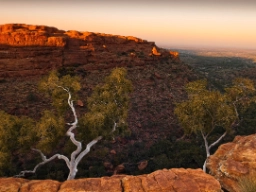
[[169, 23]]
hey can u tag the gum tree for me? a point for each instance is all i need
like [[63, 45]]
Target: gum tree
[[206, 110], [106, 116]]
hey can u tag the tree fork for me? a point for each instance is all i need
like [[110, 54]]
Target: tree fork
[[76, 155]]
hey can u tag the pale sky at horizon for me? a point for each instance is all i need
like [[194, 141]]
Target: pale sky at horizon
[[174, 24]]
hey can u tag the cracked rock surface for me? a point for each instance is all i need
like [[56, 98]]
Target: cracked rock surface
[[172, 180], [233, 160]]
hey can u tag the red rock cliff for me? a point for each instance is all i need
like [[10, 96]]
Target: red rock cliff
[[30, 50]]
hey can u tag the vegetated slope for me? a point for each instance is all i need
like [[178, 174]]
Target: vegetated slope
[[221, 66], [27, 52]]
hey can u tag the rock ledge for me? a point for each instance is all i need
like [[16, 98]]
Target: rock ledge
[[173, 180]]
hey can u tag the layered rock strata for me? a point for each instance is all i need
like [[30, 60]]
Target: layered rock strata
[[233, 161], [173, 180], [32, 50]]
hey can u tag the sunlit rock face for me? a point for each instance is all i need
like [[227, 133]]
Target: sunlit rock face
[[233, 160], [34, 49], [173, 180]]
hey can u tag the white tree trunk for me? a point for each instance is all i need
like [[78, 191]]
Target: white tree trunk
[[76, 155], [208, 148]]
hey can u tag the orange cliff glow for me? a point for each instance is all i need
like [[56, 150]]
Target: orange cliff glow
[[33, 49]]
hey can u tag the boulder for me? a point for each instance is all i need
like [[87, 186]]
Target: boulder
[[174, 54], [233, 161], [155, 52], [173, 180]]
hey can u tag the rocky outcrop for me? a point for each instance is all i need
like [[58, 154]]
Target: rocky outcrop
[[234, 160], [173, 180], [32, 50]]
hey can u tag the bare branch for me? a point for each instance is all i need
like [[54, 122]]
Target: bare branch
[[44, 161], [216, 142], [206, 144], [235, 108], [87, 149], [114, 127]]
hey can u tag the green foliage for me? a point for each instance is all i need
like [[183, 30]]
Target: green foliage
[[206, 110], [50, 130], [108, 104], [18, 130], [242, 93], [16, 135], [248, 124], [50, 85]]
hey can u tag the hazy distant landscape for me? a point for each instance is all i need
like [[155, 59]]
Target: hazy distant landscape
[[220, 65]]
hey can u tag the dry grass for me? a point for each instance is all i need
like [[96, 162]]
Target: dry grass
[[247, 183]]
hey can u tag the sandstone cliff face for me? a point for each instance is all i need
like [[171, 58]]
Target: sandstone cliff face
[[234, 160], [32, 50], [173, 180]]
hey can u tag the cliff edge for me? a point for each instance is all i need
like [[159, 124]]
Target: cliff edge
[[173, 180], [35, 49]]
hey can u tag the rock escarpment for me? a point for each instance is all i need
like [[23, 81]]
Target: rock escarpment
[[173, 180], [234, 160], [27, 51], [32, 50]]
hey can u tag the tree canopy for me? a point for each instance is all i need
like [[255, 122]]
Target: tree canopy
[[107, 112], [207, 110], [108, 104]]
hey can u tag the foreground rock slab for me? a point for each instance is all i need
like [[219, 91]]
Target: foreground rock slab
[[173, 180], [234, 160]]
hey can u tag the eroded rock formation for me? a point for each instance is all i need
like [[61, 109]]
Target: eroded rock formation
[[32, 50], [173, 180], [233, 160]]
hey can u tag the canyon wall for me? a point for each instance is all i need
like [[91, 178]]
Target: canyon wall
[[32, 50]]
